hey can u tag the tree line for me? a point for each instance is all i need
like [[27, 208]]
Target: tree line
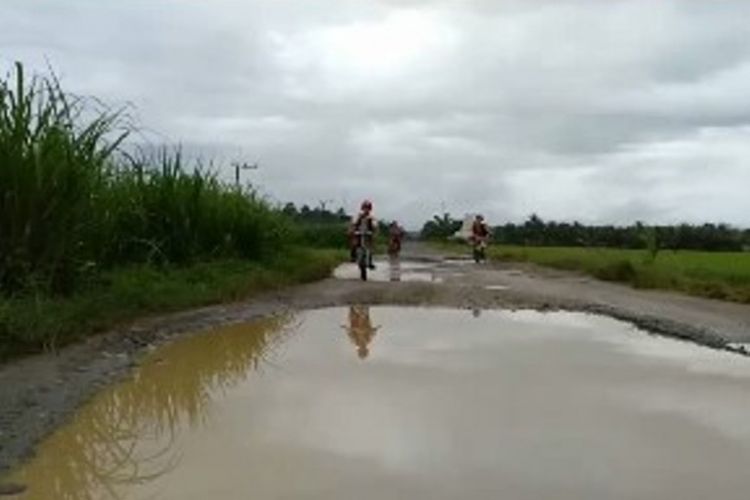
[[535, 231], [320, 214]]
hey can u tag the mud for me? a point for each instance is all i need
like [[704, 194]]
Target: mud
[[397, 402], [40, 393]]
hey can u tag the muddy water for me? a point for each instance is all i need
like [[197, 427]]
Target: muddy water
[[382, 403]]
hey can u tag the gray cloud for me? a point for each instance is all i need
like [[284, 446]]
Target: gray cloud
[[604, 111]]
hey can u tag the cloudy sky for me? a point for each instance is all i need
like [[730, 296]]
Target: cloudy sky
[[599, 110]]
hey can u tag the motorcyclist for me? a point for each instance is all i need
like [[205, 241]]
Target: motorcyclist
[[364, 222], [479, 229], [395, 237], [480, 233]]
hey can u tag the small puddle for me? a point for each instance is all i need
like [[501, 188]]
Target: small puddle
[[497, 287], [391, 270], [459, 261], [386, 402]]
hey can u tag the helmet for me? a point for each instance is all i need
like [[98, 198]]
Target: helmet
[[480, 217], [367, 205]]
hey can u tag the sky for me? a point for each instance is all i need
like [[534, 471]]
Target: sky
[[604, 111]]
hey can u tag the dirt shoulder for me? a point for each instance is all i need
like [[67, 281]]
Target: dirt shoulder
[[39, 393]]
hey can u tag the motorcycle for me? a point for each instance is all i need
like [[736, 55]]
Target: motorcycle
[[478, 249]]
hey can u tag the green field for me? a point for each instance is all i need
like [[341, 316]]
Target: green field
[[717, 275]]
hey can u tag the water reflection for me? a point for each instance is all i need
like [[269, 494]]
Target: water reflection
[[521, 404], [360, 329], [128, 435], [395, 268]]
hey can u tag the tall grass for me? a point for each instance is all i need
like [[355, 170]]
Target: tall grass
[[53, 165], [166, 214], [72, 205], [92, 233]]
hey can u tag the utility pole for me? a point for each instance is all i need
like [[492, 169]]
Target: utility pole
[[242, 166], [323, 204]]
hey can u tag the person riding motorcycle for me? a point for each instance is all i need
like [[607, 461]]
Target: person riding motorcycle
[[395, 237], [364, 222], [480, 233], [479, 228]]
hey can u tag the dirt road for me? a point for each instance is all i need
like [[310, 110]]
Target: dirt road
[[39, 393]]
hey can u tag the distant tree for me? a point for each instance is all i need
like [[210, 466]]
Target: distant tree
[[440, 227], [535, 230], [290, 209], [321, 214]]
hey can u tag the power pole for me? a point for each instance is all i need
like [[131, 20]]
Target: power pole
[[242, 166]]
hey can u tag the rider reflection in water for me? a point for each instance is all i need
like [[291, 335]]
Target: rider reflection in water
[[360, 329]]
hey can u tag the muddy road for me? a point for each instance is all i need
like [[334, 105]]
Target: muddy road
[[40, 393]]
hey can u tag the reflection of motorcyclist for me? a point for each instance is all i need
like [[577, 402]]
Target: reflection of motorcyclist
[[360, 329], [364, 222]]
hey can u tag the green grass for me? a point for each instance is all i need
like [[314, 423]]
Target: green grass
[[717, 275], [92, 234], [74, 203], [33, 323]]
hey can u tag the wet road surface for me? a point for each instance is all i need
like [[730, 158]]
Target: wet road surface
[[388, 402], [393, 270]]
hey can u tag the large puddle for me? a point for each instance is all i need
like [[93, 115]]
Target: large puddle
[[386, 403]]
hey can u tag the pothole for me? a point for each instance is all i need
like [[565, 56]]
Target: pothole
[[388, 402]]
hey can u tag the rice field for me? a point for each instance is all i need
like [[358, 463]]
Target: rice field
[[720, 275]]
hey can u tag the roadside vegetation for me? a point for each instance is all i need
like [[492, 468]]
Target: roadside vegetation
[[716, 275], [320, 227], [704, 260], [93, 233]]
